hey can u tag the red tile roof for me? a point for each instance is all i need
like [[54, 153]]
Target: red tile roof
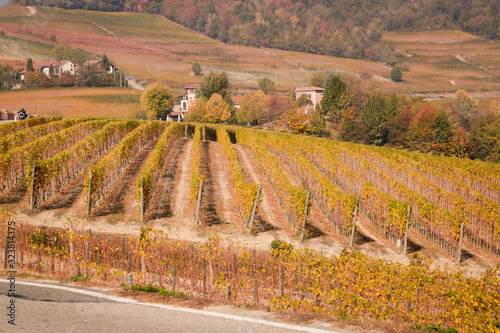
[[237, 99], [192, 85], [309, 89]]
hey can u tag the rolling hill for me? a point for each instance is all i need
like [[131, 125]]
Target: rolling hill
[[152, 47]]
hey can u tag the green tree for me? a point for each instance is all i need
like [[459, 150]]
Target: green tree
[[216, 83], [317, 124], [267, 85], [335, 98], [53, 38], [156, 100], [106, 64], [396, 74], [29, 66], [196, 68], [374, 117], [318, 80]]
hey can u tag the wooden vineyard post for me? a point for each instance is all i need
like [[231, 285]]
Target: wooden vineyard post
[[142, 198], [204, 280], [282, 281], [198, 204], [87, 248], [254, 209], [405, 246], [186, 132], [459, 255], [174, 275], [71, 250], [204, 130], [159, 267], [191, 248], [302, 232], [89, 201], [353, 231], [32, 188]]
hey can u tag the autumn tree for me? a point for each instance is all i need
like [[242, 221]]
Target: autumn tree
[[467, 108], [217, 110], [252, 109], [197, 112], [157, 101]]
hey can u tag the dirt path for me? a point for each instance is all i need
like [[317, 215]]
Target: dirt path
[[182, 184], [121, 198], [269, 214], [32, 10], [160, 205], [224, 195]]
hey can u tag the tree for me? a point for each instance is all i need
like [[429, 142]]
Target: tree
[[335, 97], [467, 108], [318, 80], [317, 124], [156, 100], [267, 85], [217, 110], [29, 66], [106, 64], [396, 74], [197, 112], [252, 109], [374, 117], [196, 68], [53, 38], [215, 83]]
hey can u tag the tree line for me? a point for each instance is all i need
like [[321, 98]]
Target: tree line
[[348, 112]]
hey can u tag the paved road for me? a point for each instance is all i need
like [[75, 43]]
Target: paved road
[[54, 308]]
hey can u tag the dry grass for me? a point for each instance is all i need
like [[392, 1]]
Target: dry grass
[[13, 11], [74, 102]]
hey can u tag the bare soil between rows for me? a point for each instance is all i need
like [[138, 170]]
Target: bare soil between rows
[[172, 210]]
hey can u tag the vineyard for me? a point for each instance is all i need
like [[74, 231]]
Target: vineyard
[[206, 177]]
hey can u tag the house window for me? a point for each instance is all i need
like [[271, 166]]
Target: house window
[[184, 105]]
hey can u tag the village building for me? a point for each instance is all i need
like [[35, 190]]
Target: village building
[[97, 62], [315, 94], [52, 68], [188, 98]]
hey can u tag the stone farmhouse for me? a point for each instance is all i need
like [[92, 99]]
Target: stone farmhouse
[[59, 67]]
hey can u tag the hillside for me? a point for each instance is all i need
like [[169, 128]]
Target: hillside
[[346, 28], [152, 47]]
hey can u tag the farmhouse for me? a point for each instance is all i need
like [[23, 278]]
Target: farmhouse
[[189, 97], [52, 68], [315, 94], [99, 63]]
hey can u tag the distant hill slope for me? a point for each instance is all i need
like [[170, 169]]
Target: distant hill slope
[[345, 28], [153, 47]]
